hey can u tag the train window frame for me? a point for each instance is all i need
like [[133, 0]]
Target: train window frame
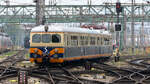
[[102, 40], [50, 37], [110, 40], [36, 37], [86, 40], [81, 40], [65, 39], [92, 40], [68, 40], [106, 41], [59, 38], [99, 40], [74, 40]]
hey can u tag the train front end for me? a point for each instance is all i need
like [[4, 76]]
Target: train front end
[[46, 46]]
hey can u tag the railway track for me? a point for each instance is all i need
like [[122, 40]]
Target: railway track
[[7, 68], [141, 75], [65, 74], [138, 74]]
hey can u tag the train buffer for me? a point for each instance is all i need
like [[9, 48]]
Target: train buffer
[[22, 77]]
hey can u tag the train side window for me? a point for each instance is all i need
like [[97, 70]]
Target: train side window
[[46, 38], [110, 41], [86, 40], [81, 40], [68, 40], [74, 40], [102, 41], [92, 40], [36, 38], [106, 41], [56, 38], [98, 41]]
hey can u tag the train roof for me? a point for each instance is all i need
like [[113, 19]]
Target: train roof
[[56, 28]]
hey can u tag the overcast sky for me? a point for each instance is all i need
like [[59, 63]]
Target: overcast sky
[[69, 2]]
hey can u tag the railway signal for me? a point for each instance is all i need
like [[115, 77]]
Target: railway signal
[[117, 27], [118, 7]]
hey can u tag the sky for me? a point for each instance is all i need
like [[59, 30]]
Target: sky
[[69, 2]]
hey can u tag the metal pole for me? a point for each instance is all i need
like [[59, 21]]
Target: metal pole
[[125, 31], [117, 33], [132, 25], [142, 32], [40, 5]]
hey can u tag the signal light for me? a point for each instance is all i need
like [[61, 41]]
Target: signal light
[[118, 7], [117, 27]]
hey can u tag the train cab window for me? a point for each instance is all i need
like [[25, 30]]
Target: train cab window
[[36, 38], [46, 38], [56, 38]]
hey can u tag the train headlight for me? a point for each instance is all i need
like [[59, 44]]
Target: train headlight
[[56, 50], [55, 56], [35, 50]]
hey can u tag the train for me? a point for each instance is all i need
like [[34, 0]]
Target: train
[[60, 44], [5, 42]]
